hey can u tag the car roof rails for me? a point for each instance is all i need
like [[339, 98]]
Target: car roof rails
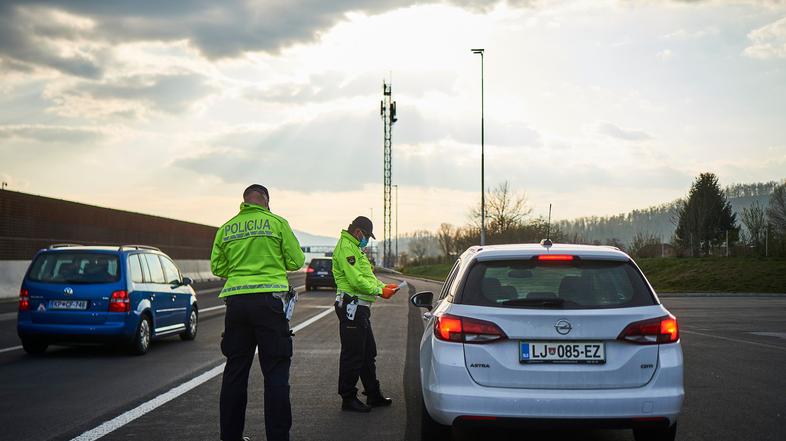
[[63, 245], [138, 247]]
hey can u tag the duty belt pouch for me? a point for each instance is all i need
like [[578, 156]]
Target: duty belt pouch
[[352, 308]]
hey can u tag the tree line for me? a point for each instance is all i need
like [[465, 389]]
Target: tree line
[[702, 223]]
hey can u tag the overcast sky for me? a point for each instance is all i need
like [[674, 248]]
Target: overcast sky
[[599, 107]]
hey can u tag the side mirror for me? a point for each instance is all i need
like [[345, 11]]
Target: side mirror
[[186, 281], [423, 299]]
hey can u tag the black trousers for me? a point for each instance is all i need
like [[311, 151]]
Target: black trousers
[[358, 353], [251, 321]]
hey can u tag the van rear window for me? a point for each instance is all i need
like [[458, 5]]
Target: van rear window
[[81, 267], [578, 284]]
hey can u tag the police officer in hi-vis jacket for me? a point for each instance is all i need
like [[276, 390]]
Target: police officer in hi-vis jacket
[[253, 251], [357, 290]]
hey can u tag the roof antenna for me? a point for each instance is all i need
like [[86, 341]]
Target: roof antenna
[[547, 241]]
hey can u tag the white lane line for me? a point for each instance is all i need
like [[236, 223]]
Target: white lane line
[[12, 348], [125, 418], [736, 340]]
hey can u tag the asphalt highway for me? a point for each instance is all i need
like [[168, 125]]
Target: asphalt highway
[[735, 356]]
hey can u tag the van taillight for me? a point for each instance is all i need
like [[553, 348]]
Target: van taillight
[[24, 300], [119, 302], [310, 269], [466, 330], [652, 331]]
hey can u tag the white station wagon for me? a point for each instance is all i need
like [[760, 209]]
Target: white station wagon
[[544, 335]]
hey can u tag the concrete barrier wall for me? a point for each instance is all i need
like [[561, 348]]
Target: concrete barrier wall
[[13, 271]]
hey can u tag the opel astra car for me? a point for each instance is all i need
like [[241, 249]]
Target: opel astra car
[[129, 294], [549, 336]]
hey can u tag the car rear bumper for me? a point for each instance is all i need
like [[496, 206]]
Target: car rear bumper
[[452, 397], [320, 281], [78, 332]]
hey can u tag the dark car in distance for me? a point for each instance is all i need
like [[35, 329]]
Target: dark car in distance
[[319, 274]]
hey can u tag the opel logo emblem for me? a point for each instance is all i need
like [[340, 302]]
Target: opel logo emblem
[[68, 291], [563, 327]]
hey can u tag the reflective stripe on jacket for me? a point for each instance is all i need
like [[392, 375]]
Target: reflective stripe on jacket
[[352, 270], [253, 251]]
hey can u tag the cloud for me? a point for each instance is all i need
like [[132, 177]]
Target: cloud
[[614, 131], [682, 34], [36, 37], [30, 30], [51, 134], [131, 96], [768, 41]]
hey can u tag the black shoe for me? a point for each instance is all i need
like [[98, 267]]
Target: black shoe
[[378, 400], [354, 405]]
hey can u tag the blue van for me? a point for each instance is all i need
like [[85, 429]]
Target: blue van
[[130, 294]]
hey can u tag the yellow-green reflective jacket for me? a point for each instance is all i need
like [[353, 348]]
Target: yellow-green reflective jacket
[[353, 272], [253, 251]]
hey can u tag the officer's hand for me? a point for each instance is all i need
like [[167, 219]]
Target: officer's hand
[[389, 290]]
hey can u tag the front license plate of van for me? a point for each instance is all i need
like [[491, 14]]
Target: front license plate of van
[[585, 352], [68, 304]]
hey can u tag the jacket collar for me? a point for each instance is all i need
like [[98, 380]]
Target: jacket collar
[[245, 207], [345, 235]]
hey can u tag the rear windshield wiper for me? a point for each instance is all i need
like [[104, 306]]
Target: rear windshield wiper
[[549, 303]]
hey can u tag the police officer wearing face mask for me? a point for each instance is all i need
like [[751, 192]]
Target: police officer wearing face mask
[[357, 290]]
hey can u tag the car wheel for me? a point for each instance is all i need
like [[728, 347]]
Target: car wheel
[[656, 434], [430, 429], [191, 327], [141, 343], [309, 288], [34, 346]]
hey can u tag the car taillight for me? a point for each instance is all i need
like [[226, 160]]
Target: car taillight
[[653, 331], [309, 270], [466, 330], [24, 300], [119, 302]]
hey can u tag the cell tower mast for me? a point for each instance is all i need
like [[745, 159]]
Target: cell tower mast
[[388, 112]]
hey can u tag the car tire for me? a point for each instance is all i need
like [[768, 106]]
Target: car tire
[[34, 346], [430, 429], [309, 288], [191, 326], [668, 434], [141, 342]]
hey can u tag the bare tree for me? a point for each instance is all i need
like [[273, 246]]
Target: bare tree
[[755, 222], [420, 243], [446, 235], [504, 210]]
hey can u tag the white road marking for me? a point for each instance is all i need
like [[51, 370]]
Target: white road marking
[[212, 308], [736, 340], [770, 334], [6, 316], [125, 418], [12, 348]]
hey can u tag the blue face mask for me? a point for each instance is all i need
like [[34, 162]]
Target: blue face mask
[[363, 242]]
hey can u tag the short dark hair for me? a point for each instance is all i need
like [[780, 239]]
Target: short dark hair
[[256, 188]]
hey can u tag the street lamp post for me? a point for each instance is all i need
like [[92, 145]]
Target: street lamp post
[[482, 155], [395, 259]]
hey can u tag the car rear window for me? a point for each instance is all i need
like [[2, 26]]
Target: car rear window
[[77, 267], [321, 264], [578, 284]]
